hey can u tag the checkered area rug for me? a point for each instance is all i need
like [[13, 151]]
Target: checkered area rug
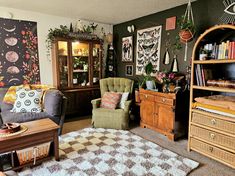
[[96, 152]]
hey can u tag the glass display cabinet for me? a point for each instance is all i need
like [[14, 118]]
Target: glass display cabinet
[[77, 69]]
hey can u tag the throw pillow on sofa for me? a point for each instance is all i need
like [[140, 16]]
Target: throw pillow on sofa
[[28, 100], [110, 100]]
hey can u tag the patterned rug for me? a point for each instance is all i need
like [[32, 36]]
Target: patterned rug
[[96, 152]]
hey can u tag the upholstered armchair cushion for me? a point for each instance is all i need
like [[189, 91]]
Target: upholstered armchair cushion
[[115, 85]]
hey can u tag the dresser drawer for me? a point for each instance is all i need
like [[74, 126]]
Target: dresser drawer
[[164, 100], [216, 138], [213, 122], [146, 97], [213, 151]]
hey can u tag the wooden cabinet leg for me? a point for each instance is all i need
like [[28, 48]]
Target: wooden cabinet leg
[[171, 136], [56, 146]]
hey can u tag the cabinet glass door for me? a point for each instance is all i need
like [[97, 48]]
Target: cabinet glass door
[[80, 58], [63, 63], [96, 63]]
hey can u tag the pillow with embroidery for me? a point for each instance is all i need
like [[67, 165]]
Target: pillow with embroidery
[[110, 100], [28, 100]]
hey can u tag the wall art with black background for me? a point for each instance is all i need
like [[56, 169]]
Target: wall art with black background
[[19, 61]]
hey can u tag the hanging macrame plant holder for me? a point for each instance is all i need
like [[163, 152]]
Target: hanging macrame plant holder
[[166, 58], [186, 35]]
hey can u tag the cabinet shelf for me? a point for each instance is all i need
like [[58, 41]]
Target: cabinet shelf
[[80, 71], [214, 61], [217, 89], [62, 55], [76, 55]]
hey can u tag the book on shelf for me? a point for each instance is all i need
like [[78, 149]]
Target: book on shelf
[[202, 75], [223, 50]]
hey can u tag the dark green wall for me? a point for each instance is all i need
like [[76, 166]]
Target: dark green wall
[[206, 14]]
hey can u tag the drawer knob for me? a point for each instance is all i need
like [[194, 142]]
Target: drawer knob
[[213, 121], [163, 100], [211, 149], [212, 135], [146, 96]]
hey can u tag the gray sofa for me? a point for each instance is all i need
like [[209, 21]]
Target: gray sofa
[[54, 106]]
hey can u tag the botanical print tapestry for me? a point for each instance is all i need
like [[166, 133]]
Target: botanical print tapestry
[[19, 63], [148, 48]]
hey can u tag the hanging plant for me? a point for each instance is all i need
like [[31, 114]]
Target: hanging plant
[[63, 31], [186, 23], [187, 29]]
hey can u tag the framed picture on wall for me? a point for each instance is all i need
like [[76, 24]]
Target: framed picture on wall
[[129, 70], [127, 49], [148, 45]]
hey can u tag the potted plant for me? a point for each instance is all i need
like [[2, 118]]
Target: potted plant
[[187, 29], [165, 78], [149, 80]]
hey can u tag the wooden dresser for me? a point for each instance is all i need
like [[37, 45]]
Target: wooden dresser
[[166, 113]]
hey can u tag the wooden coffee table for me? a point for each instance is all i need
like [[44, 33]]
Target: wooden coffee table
[[39, 132]]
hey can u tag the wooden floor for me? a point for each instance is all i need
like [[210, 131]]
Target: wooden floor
[[76, 123]]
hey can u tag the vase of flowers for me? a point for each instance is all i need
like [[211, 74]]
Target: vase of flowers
[[165, 78]]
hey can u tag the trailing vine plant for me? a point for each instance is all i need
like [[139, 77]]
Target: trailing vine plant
[[62, 31]]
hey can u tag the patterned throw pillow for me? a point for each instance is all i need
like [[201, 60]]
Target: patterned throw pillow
[[124, 98], [110, 100], [28, 100], [10, 95]]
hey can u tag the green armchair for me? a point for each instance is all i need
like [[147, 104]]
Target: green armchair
[[107, 118]]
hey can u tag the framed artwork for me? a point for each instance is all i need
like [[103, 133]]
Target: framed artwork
[[170, 23], [19, 62], [148, 48], [129, 70], [127, 49]]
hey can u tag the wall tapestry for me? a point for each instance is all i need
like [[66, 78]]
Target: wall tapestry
[[148, 48], [127, 49], [19, 61]]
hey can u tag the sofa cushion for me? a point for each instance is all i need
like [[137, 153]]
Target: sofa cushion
[[28, 100], [20, 117], [53, 102], [2, 95], [110, 100]]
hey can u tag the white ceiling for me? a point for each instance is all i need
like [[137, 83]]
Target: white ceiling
[[104, 11]]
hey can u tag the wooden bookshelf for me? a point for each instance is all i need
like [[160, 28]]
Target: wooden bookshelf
[[203, 124]]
